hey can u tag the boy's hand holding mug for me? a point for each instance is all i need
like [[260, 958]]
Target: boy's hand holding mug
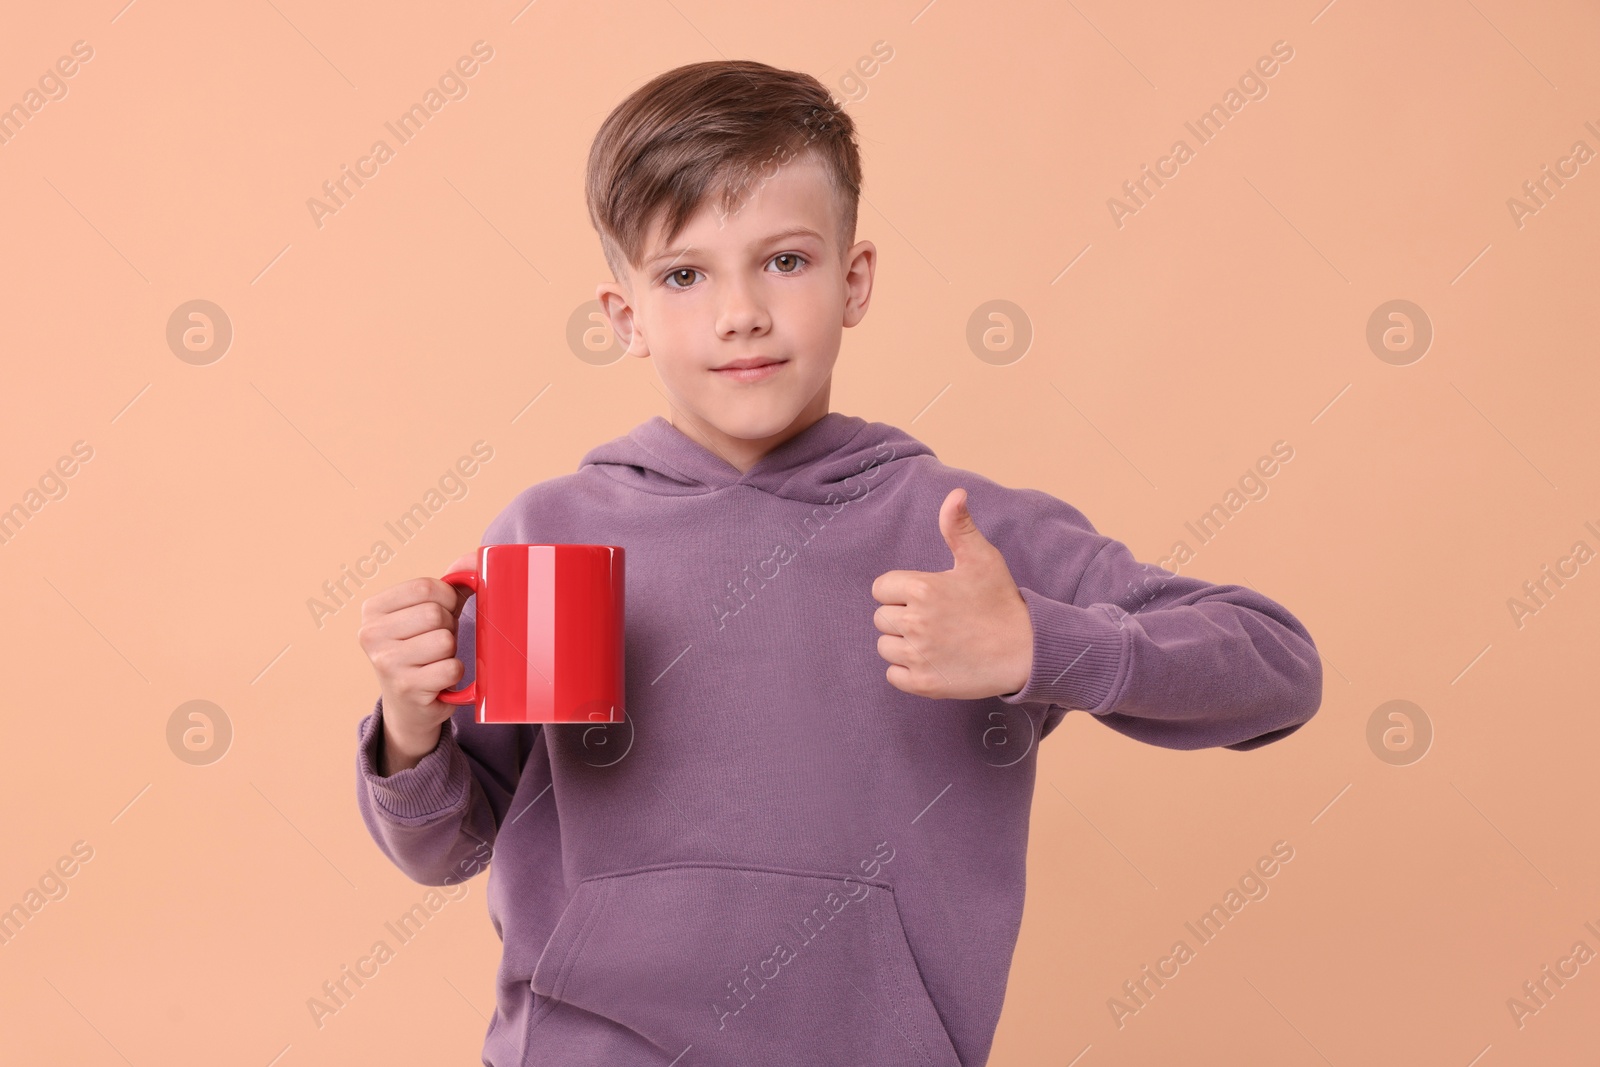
[[408, 631], [549, 639]]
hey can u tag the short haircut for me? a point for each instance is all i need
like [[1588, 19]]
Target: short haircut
[[717, 126]]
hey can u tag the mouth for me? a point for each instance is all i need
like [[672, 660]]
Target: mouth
[[753, 369]]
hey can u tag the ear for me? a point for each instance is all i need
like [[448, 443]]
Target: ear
[[616, 304], [859, 262]]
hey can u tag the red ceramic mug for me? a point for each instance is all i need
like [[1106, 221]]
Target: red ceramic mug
[[549, 635]]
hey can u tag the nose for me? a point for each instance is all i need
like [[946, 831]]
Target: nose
[[741, 310]]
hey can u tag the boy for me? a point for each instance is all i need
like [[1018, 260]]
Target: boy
[[806, 844]]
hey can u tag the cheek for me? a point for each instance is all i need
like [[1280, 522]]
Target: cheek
[[820, 328], [813, 314], [675, 333], [678, 369]]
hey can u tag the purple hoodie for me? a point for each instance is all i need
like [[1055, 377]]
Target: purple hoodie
[[780, 858]]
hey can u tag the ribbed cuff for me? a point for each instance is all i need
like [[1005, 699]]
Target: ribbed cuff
[[436, 785], [1078, 655]]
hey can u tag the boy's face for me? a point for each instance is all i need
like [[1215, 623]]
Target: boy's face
[[745, 286]]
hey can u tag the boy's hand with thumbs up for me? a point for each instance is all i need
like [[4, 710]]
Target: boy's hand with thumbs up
[[958, 634]]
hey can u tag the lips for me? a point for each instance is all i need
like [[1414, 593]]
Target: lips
[[749, 363], [750, 369]]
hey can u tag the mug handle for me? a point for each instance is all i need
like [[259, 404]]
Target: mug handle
[[469, 695]]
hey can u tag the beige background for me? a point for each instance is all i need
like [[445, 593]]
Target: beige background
[[1228, 313]]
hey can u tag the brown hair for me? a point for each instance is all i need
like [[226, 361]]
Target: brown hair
[[711, 126]]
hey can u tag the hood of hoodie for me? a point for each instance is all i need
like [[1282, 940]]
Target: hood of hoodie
[[812, 466]]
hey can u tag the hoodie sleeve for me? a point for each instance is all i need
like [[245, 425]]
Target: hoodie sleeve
[[1169, 660], [437, 821]]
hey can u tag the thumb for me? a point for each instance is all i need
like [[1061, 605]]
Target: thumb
[[960, 531]]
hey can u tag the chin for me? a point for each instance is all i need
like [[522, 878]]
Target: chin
[[756, 425]]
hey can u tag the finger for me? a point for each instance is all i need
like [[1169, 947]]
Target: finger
[[423, 649], [411, 621], [890, 619], [422, 685], [903, 651], [466, 562], [896, 649], [406, 593], [955, 522], [438, 676], [896, 587], [901, 678], [968, 546]]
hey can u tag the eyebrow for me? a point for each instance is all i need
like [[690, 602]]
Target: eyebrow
[[793, 231]]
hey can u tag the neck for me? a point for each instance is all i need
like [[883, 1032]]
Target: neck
[[743, 453]]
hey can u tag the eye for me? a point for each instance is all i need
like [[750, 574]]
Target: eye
[[690, 271], [795, 256]]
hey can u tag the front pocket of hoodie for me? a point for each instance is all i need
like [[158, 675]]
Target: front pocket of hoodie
[[741, 962]]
